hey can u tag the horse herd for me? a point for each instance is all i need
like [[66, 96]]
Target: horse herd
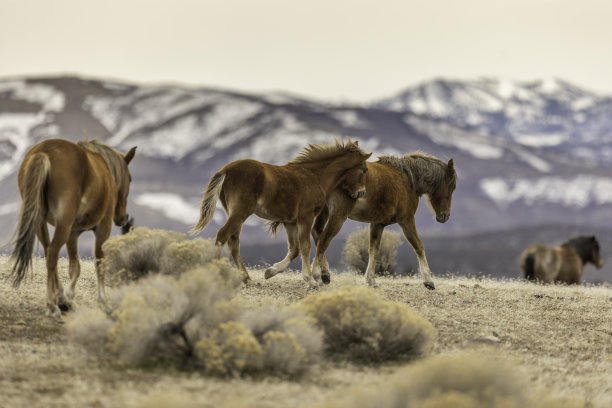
[[84, 186]]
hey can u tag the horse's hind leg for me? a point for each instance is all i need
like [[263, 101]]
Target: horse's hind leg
[[376, 231], [228, 234], [293, 249], [304, 227], [410, 232], [74, 266], [320, 267], [56, 301]]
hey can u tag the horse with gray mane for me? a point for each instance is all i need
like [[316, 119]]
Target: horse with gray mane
[[394, 186], [564, 264], [75, 187], [292, 194]]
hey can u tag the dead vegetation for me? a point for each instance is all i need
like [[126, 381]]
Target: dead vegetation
[[558, 340]]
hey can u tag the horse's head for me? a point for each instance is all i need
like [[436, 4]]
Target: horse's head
[[121, 216], [594, 252], [354, 181], [440, 199]]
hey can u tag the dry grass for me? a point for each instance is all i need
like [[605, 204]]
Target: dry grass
[[559, 337]]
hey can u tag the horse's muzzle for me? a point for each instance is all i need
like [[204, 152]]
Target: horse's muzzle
[[120, 222], [442, 217], [359, 194]]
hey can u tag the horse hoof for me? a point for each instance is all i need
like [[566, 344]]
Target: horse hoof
[[326, 278], [429, 285], [64, 307], [269, 273]]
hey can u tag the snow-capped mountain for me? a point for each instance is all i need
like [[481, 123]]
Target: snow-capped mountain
[[527, 154], [550, 114]]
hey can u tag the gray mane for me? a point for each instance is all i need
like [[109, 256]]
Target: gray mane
[[426, 172], [113, 158]]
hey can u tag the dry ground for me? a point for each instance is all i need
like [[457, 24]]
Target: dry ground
[[560, 337]]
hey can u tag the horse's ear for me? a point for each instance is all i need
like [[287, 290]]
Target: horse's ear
[[450, 168], [130, 155], [367, 155]]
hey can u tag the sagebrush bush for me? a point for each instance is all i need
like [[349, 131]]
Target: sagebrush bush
[[355, 253], [196, 321], [135, 254], [361, 324], [289, 338], [160, 318], [461, 380]]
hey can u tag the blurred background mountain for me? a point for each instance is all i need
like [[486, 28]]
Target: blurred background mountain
[[533, 158]]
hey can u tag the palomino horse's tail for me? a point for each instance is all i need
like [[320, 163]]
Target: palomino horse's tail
[[32, 215], [530, 267], [209, 202]]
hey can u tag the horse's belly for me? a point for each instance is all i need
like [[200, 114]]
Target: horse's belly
[[364, 211], [274, 214]]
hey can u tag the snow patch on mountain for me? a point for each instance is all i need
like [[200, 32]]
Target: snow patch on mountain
[[578, 192], [49, 98], [177, 120], [177, 208]]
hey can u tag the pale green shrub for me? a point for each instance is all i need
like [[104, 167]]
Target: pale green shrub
[[196, 321], [289, 338], [160, 318], [360, 323], [137, 253], [462, 380], [230, 349], [355, 253]]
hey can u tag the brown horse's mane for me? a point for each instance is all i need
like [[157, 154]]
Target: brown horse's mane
[[113, 158], [320, 152], [426, 172]]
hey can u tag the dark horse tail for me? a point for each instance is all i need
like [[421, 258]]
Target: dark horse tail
[[209, 202], [529, 267], [32, 215]]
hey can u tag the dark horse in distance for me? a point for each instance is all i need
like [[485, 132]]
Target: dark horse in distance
[[75, 187], [292, 194], [564, 263], [394, 186]]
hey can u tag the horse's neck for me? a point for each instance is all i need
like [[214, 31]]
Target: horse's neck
[[420, 179], [583, 253], [327, 173]]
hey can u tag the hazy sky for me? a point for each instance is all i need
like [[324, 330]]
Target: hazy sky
[[353, 50]]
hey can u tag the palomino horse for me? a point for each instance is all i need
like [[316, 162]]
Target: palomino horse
[[292, 194], [394, 186], [565, 263], [75, 187]]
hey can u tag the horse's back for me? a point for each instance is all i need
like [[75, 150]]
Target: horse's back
[[571, 267], [388, 196], [540, 262]]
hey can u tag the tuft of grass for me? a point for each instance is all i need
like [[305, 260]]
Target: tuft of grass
[[355, 254], [361, 324]]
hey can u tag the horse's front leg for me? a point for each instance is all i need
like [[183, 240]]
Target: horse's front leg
[[74, 266], [293, 249], [101, 233], [304, 227], [376, 231], [410, 232], [320, 269]]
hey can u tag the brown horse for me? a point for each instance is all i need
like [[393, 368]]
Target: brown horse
[[394, 186], [75, 187], [292, 194], [564, 264]]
